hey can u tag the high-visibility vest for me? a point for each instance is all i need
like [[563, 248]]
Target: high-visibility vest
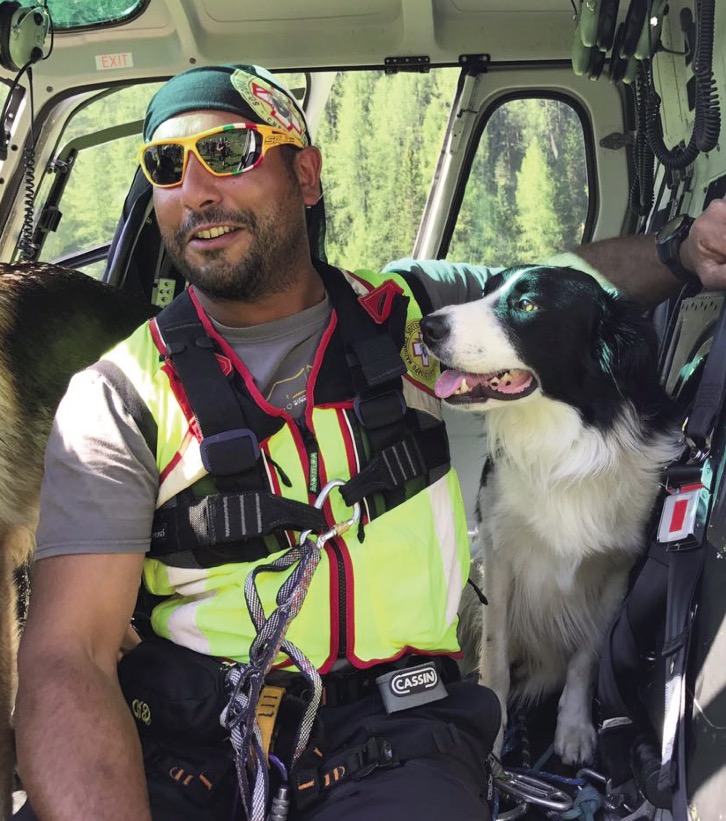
[[392, 589]]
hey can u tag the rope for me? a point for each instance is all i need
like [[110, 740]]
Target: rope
[[244, 682], [587, 802]]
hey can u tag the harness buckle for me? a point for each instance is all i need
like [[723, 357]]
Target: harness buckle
[[375, 753], [230, 452], [384, 409]]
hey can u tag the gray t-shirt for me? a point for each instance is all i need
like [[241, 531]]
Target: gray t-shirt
[[279, 354], [101, 480]]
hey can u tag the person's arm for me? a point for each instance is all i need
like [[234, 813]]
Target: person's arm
[[631, 263], [704, 250], [79, 755], [78, 748]]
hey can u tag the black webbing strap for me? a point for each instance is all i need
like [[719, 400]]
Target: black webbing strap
[[633, 628], [684, 574], [399, 463], [225, 518], [311, 780], [711, 389], [230, 421], [398, 452], [684, 562], [374, 361]]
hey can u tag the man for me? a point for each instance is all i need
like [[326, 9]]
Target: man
[[137, 452]]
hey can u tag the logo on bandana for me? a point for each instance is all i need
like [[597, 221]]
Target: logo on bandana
[[270, 104], [419, 362]]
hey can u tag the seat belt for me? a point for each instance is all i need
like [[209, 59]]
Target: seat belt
[[668, 583], [687, 553]]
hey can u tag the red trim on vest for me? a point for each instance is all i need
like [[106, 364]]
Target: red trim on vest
[[378, 303], [407, 650], [419, 385], [317, 364], [181, 397], [237, 363]]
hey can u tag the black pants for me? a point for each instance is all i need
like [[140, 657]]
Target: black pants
[[448, 780]]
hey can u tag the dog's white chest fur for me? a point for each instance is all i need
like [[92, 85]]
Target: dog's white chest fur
[[562, 518]]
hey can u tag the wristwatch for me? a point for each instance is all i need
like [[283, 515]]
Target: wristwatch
[[668, 246]]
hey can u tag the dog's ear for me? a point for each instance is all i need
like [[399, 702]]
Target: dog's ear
[[626, 346], [492, 284]]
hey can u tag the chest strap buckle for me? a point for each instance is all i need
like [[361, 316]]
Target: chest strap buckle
[[230, 452]]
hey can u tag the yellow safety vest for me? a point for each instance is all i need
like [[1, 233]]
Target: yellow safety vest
[[395, 592]]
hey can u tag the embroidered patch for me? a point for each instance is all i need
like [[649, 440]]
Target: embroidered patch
[[270, 104], [419, 363]]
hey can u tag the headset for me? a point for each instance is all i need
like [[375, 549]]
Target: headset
[[24, 31]]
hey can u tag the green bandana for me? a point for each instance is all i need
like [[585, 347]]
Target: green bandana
[[250, 92]]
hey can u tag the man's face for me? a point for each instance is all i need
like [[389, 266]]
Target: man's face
[[236, 237]]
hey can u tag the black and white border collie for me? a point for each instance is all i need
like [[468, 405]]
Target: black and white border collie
[[578, 430]]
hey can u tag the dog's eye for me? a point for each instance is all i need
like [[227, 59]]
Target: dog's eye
[[525, 304]]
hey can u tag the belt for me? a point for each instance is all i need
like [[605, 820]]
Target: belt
[[347, 686]]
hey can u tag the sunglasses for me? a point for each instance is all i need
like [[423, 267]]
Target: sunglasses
[[224, 151]]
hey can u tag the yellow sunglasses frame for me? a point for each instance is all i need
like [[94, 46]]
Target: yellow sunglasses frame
[[271, 138]]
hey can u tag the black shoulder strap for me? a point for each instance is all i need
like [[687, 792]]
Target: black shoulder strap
[[684, 575], [229, 419], [671, 594], [400, 451], [711, 390]]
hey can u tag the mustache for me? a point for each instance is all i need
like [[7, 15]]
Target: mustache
[[243, 219]]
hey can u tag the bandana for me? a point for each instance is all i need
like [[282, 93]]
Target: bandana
[[250, 92]]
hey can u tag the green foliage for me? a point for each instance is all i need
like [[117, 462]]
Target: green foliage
[[527, 194], [380, 140]]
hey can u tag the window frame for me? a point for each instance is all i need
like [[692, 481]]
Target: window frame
[[485, 115]]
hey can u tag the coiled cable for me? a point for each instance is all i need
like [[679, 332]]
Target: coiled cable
[[27, 247], [707, 121]]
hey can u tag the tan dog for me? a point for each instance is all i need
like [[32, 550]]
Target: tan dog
[[53, 322]]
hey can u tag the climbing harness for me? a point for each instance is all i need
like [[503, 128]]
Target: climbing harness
[[244, 682]]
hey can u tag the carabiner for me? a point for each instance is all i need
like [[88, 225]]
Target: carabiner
[[527, 789], [337, 529], [534, 791]]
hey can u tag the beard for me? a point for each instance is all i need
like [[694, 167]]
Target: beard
[[267, 267]]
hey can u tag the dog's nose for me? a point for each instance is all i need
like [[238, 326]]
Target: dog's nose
[[434, 328]]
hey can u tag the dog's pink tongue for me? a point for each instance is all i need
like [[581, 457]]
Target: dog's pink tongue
[[448, 383]]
